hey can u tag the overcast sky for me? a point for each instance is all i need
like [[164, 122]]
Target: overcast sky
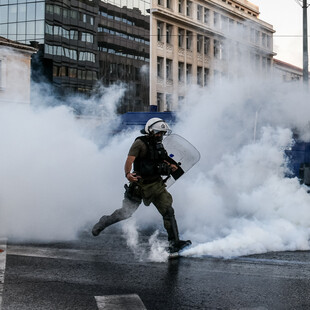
[[286, 18]]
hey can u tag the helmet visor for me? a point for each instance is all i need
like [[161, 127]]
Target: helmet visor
[[164, 132]]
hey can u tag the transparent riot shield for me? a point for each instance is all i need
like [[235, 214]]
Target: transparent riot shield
[[182, 153]]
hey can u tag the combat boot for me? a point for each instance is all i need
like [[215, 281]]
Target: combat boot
[[100, 226], [176, 246]]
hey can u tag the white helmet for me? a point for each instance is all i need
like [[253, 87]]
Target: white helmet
[[155, 125]]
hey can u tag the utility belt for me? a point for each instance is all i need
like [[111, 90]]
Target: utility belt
[[133, 191], [149, 180]]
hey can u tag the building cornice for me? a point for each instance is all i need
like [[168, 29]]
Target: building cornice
[[244, 3], [16, 45], [183, 20], [215, 3]]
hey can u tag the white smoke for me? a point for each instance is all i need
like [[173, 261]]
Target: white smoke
[[237, 195], [158, 251], [54, 177], [155, 251], [131, 235], [145, 70]]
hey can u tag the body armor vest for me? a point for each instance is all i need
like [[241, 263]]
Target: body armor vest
[[152, 165]]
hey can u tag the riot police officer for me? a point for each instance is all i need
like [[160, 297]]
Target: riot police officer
[[145, 165]]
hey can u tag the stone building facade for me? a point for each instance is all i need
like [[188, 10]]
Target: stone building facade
[[198, 42], [15, 59]]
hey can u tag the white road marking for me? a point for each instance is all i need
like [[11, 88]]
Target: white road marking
[[120, 302], [2, 266], [43, 252], [55, 253]]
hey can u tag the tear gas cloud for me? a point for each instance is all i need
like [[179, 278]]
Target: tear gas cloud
[[60, 173], [54, 177], [236, 201]]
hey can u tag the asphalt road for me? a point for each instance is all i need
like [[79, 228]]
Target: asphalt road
[[103, 273]]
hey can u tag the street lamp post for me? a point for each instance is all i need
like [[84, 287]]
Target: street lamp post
[[304, 4], [305, 42]]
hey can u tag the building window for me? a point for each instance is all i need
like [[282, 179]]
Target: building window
[[206, 45], [206, 73], [69, 53], [244, 31], [168, 102], [63, 71], [160, 102], [199, 43], [160, 62], [169, 34], [169, 69], [268, 41], [87, 56], [181, 71], [138, 90], [231, 25], [181, 33], [49, 29], [55, 70], [58, 31], [188, 73], [169, 4], [199, 12], [264, 40], [89, 75], [160, 27], [199, 76], [74, 35], [257, 61], [87, 37], [189, 37], [72, 73], [189, 8], [206, 16], [264, 63], [218, 49], [216, 20], [257, 37], [160, 2], [113, 70], [181, 6], [224, 23], [82, 74]]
